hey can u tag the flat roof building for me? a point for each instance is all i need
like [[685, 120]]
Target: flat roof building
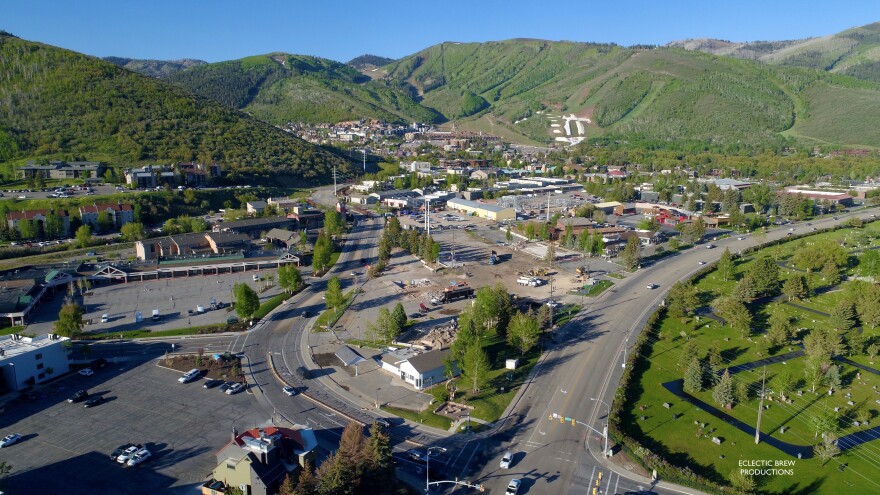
[[26, 361], [482, 210]]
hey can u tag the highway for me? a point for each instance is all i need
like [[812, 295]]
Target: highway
[[554, 456]]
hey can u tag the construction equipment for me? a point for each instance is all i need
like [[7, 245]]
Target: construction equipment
[[493, 258], [538, 272]]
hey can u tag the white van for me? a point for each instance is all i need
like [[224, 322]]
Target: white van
[[189, 376], [105, 318], [256, 278]]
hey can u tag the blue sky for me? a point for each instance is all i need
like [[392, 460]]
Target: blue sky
[[216, 30]]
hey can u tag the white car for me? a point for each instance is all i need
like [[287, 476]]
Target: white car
[[740, 238], [9, 440], [86, 372], [652, 286], [506, 460], [128, 454], [139, 457], [289, 391], [513, 487], [702, 262], [234, 389], [189, 376]]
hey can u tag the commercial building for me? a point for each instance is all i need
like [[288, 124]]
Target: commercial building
[[254, 226], [26, 361], [420, 370], [482, 210], [256, 207], [257, 461], [150, 176], [834, 197], [194, 244]]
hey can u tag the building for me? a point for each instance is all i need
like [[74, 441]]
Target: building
[[362, 199], [151, 176], [834, 197], [578, 224], [482, 210], [256, 208], [284, 205], [607, 207], [198, 174], [257, 461], [254, 226], [38, 219], [419, 370], [307, 217], [119, 213], [193, 244], [63, 170], [26, 361]]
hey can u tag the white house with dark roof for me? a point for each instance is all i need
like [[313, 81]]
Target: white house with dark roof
[[421, 370]]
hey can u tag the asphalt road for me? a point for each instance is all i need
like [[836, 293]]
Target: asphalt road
[[553, 456]]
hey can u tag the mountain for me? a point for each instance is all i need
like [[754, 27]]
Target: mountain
[[854, 52], [154, 68], [55, 103], [547, 91], [281, 88], [369, 62]]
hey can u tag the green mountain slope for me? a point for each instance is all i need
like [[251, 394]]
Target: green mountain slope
[[58, 103], [154, 68], [534, 88], [281, 88], [854, 52]]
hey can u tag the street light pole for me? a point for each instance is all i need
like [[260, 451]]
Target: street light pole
[[607, 413], [428, 467], [377, 396]]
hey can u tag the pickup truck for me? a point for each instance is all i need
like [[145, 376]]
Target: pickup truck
[[528, 281]]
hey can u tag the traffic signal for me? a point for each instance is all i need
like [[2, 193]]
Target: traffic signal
[[573, 422]]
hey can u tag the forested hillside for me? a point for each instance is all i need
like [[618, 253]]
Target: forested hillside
[[154, 68], [55, 103], [854, 52], [663, 95], [281, 88]]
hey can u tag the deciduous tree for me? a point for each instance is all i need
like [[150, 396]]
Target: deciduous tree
[[475, 367], [523, 332], [70, 320], [247, 302], [290, 278], [333, 297]]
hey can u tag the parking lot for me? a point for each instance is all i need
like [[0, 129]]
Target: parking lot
[[66, 447], [174, 298]]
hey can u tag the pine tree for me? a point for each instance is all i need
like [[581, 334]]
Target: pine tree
[[307, 483], [744, 290], [693, 377], [378, 455], [842, 316], [831, 273], [725, 266], [723, 395], [399, 315], [687, 353], [631, 253], [795, 288]]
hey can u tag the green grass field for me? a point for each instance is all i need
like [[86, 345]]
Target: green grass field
[[682, 442]]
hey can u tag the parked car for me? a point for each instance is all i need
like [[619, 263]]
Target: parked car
[[10, 439], [234, 389], [506, 460], [513, 487], [226, 385], [289, 391], [212, 383], [128, 454], [384, 423], [652, 286], [189, 376], [94, 401], [417, 455], [86, 372], [139, 457], [119, 450], [79, 396]]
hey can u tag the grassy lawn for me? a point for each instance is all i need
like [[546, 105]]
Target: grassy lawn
[[426, 417], [672, 433], [328, 315], [11, 330], [616, 275], [566, 313], [271, 304], [489, 403], [597, 288], [136, 334]]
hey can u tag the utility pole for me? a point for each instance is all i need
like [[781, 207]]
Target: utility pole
[[760, 408], [428, 215], [625, 345], [548, 206], [453, 247], [334, 180], [364, 152]]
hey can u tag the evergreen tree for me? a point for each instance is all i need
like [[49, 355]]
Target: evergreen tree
[[694, 377], [742, 392], [795, 287], [378, 454], [307, 484], [725, 266], [780, 331], [842, 316], [734, 312], [682, 299], [764, 272], [830, 273], [688, 351], [399, 315], [723, 395], [744, 290]]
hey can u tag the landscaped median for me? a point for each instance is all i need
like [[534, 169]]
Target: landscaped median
[[176, 332], [329, 317]]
